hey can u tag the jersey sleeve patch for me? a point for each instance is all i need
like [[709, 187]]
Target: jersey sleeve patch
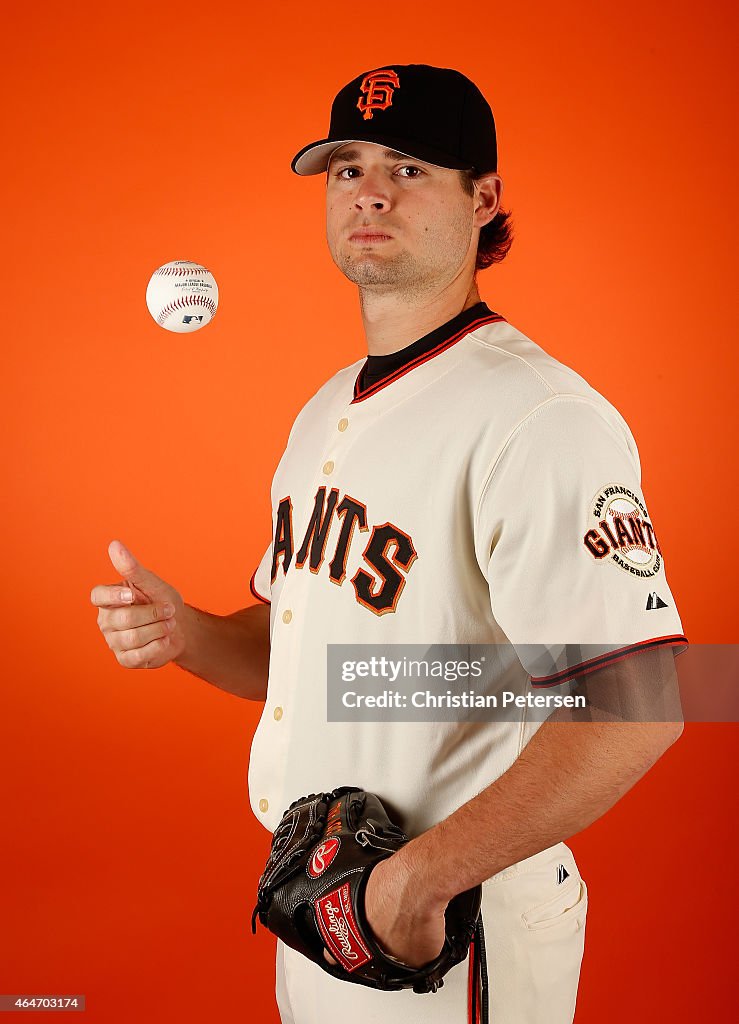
[[621, 532]]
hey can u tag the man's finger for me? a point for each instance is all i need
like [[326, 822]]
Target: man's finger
[[142, 657], [139, 636], [119, 619], [116, 596]]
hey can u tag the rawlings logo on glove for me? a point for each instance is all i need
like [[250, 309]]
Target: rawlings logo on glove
[[339, 929], [311, 893], [322, 857]]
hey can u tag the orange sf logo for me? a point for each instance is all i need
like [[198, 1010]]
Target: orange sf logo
[[377, 92]]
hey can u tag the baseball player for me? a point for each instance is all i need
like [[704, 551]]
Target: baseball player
[[456, 486]]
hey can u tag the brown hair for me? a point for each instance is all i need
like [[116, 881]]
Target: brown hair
[[496, 237]]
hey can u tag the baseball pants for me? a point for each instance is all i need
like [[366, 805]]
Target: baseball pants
[[534, 923]]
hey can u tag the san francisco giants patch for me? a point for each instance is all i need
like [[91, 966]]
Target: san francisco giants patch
[[622, 533]]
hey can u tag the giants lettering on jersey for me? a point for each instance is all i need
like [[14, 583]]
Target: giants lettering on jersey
[[622, 532], [388, 553]]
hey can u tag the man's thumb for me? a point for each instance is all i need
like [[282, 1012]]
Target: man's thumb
[[130, 570]]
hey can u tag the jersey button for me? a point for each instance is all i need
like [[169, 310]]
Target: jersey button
[[278, 713], [287, 615], [328, 467], [343, 423], [263, 805]]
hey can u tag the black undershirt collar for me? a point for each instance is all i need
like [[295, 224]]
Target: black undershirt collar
[[376, 368]]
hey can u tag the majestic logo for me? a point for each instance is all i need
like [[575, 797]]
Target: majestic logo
[[377, 92], [622, 532], [562, 873], [654, 601], [323, 854], [338, 927]]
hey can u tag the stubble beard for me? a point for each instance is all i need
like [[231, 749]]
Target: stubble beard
[[405, 274], [402, 275]]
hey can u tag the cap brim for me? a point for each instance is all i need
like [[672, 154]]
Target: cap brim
[[314, 158]]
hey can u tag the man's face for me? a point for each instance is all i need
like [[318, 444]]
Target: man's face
[[394, 223]]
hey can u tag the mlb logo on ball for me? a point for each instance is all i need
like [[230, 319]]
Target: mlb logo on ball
[[189, 319]]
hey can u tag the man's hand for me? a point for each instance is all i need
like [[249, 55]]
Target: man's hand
[[142, 618], [338, 881], [403, 920]]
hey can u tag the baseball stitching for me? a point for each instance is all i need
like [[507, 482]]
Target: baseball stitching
[[636, 547], [180, 271], [634, 514], [182, 302]]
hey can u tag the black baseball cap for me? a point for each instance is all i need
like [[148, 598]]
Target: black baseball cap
[[434, 114]]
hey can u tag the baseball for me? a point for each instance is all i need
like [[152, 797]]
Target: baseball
[[182, 296]]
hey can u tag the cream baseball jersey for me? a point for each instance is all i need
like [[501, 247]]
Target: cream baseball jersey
[[481, 493]]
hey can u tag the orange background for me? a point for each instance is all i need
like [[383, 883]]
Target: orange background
[[143, 133]]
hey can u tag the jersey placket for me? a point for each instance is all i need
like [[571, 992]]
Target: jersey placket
[[288, 637]]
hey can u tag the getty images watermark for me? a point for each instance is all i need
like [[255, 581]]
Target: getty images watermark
[[648, 682], [434, 672]]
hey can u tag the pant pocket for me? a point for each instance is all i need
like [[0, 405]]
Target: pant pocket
[[571, 903], [535, 933]]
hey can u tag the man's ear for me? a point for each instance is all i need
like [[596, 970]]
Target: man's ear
[[487, 198]]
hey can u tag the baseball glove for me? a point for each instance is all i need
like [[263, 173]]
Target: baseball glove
[[311, 893]]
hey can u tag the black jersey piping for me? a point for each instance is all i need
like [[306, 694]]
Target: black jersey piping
[[675, 640]]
